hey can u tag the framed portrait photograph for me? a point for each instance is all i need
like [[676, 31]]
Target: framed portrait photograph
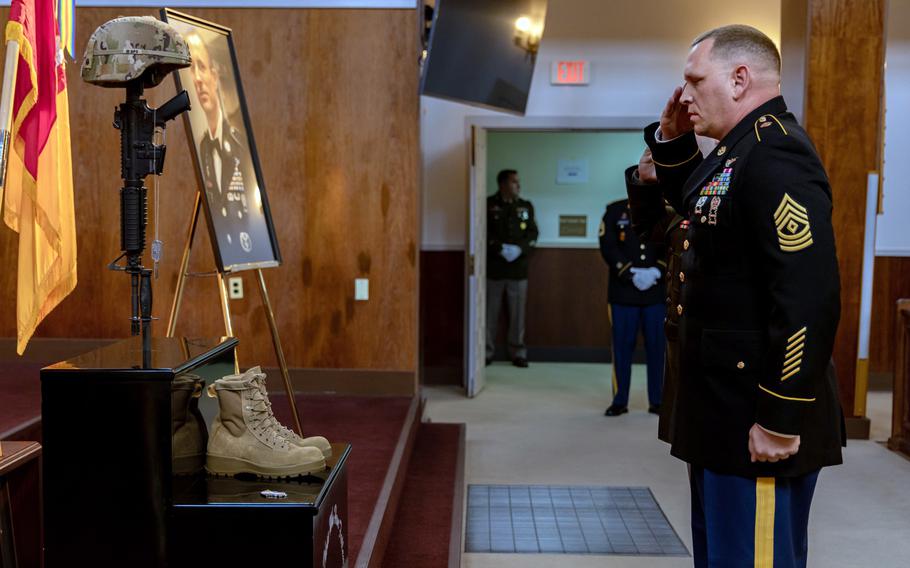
[[223, 149]]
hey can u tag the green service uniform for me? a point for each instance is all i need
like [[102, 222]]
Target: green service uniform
[[508, 222]]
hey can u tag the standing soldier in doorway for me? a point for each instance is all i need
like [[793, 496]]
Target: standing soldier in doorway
[[636, 297], [511, 235]]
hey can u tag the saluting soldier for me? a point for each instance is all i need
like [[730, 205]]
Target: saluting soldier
[[666, 229], [757, 413], [636, 296], [511, 235]]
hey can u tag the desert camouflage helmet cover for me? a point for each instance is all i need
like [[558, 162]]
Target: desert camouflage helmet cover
[[125, 49]]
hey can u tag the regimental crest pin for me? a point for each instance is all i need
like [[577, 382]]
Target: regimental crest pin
[[794, 232]]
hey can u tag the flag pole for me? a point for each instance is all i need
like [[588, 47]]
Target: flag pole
[[6, 109], [6, 114]]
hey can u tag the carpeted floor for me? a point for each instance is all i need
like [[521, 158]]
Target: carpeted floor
[[372, 426], [423, 525]]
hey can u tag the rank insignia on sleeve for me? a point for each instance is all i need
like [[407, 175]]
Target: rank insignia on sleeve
[[792, 221], [793, 358]]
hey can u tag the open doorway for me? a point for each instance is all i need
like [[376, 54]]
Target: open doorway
[[570, 169]]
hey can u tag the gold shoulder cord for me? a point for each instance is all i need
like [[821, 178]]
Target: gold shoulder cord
[[763, 119]]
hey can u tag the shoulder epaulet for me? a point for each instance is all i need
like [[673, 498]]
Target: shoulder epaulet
[[766, 120], [618, 203]]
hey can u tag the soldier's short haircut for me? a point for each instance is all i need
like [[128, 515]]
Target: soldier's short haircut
[[503, 176], [739, 40]]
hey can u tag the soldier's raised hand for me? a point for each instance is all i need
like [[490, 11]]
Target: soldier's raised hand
[[647, 171], [674, 120]]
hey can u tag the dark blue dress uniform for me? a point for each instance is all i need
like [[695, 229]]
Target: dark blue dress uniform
[[632, 309], [759, 307]]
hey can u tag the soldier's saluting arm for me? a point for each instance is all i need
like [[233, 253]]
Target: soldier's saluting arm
[[786, 205], [675, 160]]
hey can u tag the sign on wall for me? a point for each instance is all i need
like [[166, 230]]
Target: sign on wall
[[570, 72], [571, 172], [573, 226]]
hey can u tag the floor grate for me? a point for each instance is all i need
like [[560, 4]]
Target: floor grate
[[559, 519]]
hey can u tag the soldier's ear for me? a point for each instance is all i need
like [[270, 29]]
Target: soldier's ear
[[740, 79]]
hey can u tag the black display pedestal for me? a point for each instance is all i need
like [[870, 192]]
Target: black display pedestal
[[110, 498], [226, 521]]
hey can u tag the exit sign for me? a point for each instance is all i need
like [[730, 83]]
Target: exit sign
[[570, 72]]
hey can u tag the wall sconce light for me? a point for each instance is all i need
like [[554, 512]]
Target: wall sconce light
[[528, 34]]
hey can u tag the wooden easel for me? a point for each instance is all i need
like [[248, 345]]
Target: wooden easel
[[225, 307]]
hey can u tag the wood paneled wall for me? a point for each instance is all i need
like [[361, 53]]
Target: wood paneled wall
[[567, 303], [892, 282], [567, 299], [333, 97], [844, 91]]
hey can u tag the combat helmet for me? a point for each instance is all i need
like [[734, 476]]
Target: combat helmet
[[129, 48]]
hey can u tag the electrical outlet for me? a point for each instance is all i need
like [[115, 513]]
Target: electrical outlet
[[361, 289], [235, 288]]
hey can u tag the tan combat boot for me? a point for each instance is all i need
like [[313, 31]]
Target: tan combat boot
[[188, 432], [317, 442], [244, 439]]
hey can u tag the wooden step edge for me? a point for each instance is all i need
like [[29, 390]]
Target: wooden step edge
[[376, 538], [456, 537]]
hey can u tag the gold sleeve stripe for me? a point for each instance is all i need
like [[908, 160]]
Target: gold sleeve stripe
[[772, 393], [662, 263], [790, 374], [626, 267], [686, 161], [797, 335], [795, 348], [795, 357], [796, 345], [791, 219]]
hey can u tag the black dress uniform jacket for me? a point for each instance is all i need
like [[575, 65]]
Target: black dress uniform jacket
[[665, 229], [759, 298], [509, 223], [622, 250]]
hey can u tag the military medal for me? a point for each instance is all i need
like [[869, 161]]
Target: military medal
[[719, 184], [712, 212], [523, 225]]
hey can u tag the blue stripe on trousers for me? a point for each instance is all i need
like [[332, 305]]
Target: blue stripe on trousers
[[626, 322], [723, 519]]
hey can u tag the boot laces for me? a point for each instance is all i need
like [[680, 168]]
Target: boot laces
[[273, 422]]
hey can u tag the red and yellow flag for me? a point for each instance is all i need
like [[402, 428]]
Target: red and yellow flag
[[38, 193]]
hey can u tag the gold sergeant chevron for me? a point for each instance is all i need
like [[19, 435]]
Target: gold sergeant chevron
[[793, 230]]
